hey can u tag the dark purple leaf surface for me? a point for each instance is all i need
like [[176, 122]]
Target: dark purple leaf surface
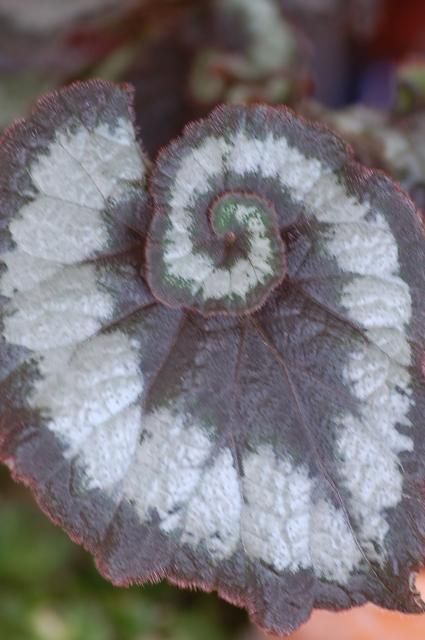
[[219, 381]]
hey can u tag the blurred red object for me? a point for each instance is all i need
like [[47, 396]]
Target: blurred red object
[[401, 29]]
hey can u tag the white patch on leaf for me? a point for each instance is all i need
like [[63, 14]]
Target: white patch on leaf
[[285, 527], [177, 475], [273, 157], [192, 179], [106, 457], [168, 467], [89, 165], [242, 154], [62, 310], [369, 445], [25, 272], [90, 394], [51, 228], [63, 222], [335, 555], [329, 202], [213, 514], [275, 524]]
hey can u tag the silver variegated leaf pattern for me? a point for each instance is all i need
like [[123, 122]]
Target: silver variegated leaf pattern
[[217, 380]]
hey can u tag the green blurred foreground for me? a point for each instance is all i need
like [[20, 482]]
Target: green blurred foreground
[[50, 590]]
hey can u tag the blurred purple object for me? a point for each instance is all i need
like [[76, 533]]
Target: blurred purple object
[[377, 85]]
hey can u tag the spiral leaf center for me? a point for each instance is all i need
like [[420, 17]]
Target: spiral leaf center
[[226, 259]]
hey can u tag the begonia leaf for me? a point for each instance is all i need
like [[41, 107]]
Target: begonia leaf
[[219, 382]]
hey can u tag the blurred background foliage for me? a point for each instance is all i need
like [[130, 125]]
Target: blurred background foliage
[[356, 65], [50, 590]]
